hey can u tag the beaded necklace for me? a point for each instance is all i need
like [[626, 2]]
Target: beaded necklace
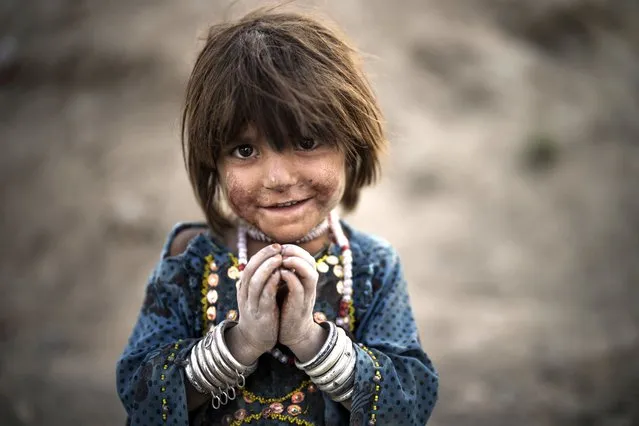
[[345, 287]]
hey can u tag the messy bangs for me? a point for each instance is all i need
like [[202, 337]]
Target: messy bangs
[[291, 78]]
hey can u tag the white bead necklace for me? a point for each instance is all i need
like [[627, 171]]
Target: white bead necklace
[[344, 317]]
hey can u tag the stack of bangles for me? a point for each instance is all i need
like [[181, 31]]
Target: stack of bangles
[[333, 368], [213, 370]]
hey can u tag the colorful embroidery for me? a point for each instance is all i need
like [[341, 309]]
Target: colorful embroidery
[[273, 416], [205, 289], [251, 397]]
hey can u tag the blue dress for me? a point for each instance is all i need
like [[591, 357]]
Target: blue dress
[[395, 381]]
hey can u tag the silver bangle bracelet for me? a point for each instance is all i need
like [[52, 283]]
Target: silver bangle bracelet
[[345, 396], [190, 376], [337, 370], [224, 373], [198, 376], [226, 354], [218, 366], [333, 356], [207, 367], [345, 380], [347, 384], [324, 351], [342, 379]]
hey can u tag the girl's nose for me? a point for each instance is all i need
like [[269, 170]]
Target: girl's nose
[[280, 171]]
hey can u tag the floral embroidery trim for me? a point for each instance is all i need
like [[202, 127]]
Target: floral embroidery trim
[[273, 416], [251, 396], [377, 379], [205, 288], [165, 401]]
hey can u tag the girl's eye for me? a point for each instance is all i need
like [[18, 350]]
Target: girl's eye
[[307, 144], [243, 151]]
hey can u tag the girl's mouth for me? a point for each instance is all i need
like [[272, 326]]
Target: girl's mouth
[[287, 206]]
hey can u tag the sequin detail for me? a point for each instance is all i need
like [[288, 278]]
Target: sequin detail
[[251, 396], [165, 403], [377, 379]]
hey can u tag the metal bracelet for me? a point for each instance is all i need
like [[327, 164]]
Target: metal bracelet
[[207, 368], [326, 348], [340, 382], [197, 372], [337, 370], [224, 350], [189, 375], [347, 378], [332, 357], [345, 396], [223, 369]]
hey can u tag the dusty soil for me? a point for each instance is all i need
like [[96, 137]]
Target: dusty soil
[[511, 192]]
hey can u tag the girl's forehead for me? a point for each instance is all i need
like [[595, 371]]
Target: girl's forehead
[[251, 134]]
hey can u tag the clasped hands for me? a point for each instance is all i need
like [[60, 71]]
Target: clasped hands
[[275, 301]]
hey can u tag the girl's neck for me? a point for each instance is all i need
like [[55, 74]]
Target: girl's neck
[[313, 247]]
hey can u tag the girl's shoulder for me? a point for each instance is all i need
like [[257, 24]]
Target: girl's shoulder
[[180, 236], [370, 249], [186, 248]]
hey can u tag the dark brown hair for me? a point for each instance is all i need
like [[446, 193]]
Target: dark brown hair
[[289, 75]]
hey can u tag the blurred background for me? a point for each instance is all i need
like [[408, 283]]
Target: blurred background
[[511, 192]]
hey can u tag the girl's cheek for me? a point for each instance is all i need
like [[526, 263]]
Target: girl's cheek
[[237, 195], [329, 182]]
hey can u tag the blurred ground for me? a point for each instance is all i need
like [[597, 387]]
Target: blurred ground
[[511, 193]]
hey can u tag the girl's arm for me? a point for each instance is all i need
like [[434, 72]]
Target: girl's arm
[[395, 382], [150, 378]]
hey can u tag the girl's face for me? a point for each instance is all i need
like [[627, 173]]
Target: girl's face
[[285, 194]]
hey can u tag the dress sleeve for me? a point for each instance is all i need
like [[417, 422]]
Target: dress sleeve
[[395, 381], [150, 379]]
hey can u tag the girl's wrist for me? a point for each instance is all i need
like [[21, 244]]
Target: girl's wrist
[[240, 348], [308, 347]]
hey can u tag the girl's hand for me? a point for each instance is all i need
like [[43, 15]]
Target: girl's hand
[[257, 329], [298, 330]]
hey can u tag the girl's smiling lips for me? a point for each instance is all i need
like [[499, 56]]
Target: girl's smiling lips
[[287, 207]]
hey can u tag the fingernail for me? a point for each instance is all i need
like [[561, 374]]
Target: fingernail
[[276, 246]]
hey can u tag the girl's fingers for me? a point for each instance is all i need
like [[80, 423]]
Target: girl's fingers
[[293, 250], [295, 298], [259, 279], [254, 263], [267, 298], [307, 273]]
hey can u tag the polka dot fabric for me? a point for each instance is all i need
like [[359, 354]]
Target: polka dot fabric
[[395, 384]]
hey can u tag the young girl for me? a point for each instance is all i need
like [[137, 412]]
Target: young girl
[[275, 311]]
